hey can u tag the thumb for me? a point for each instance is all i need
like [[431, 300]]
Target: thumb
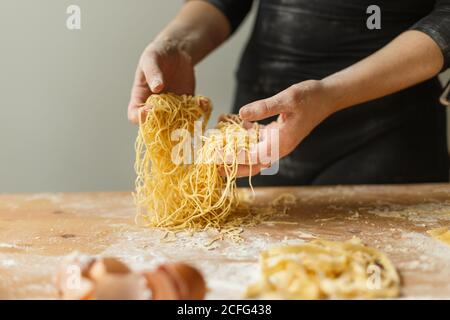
[[262, 109], [154, 76]]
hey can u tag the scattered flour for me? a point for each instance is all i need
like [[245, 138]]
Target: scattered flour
[[430, 212]]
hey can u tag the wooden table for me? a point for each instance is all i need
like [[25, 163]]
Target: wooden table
[[38, 230]]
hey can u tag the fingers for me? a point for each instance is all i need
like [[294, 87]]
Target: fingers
[[244, 170], [277, 139], [247, 171], [153, 74], [205, 104], [247, 125], [263, 109], [148, 79], [241, 157], [139, 94]]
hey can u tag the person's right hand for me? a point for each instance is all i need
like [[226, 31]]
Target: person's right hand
[[163, 67]]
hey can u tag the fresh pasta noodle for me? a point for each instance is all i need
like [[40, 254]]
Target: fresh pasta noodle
[[442, 234], [176, 195], [325, 269]]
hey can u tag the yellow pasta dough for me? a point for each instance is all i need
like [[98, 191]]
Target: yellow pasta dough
[[196, 195], [442, 234], [324, 269]]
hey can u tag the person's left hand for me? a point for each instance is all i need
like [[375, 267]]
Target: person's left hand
[[300, 108]]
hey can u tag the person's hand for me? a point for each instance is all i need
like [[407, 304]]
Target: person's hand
[[300, 108], [163, 67]]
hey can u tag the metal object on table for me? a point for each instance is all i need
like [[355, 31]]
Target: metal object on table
[[445, 98]]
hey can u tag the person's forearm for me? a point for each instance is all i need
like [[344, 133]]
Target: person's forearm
[[197, 29], [409, 59]]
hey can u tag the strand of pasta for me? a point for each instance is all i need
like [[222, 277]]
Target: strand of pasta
[[325, 269], [180, 196]]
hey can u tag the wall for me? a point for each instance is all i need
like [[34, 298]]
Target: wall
[[63, 94]]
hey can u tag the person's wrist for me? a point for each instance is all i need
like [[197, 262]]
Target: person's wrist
[[315, 96], [330, 94], [169, 44], [335, 92]]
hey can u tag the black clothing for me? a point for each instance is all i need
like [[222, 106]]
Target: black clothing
[[400, 138]]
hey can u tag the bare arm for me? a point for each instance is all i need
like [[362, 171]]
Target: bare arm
[[167, 64], [197, 29], [409, 59]]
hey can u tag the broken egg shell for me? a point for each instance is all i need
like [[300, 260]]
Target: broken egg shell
[[106, 266], [128, 286], [78, 276], [83, 291], [70, 279], [190, 281], [176, 281], [161, 285]]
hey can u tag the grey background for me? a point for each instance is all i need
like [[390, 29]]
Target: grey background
[[63, 94]]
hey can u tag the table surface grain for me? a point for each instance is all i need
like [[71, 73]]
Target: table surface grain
[[38, 230]]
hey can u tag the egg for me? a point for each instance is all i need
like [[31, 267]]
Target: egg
[[174, 281], [72, 280], [82, 278], [79, 276], [130, 286], [105, 266]]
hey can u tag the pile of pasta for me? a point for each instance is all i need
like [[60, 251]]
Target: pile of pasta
[[442, 234], [187, 195], [324, 269]]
